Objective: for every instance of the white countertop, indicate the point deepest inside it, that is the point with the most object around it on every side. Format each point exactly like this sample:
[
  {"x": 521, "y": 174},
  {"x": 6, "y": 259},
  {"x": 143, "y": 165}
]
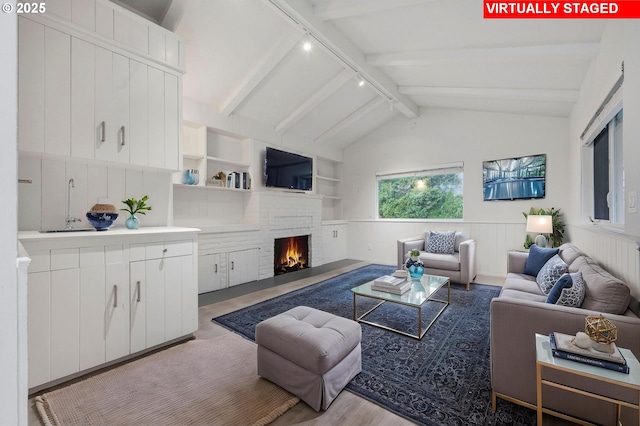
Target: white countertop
[{"x": 113, "y": 232}]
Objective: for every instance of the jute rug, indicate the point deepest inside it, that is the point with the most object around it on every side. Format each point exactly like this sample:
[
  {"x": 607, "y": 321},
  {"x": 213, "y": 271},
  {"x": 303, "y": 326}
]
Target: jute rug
[{"x": 201, "y": 382}]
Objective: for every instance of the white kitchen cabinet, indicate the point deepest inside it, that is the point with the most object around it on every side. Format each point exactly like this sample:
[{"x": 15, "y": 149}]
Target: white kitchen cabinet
[
  {"x": 44, "y": 65},
  {"x": 91, "y": 304},
  {"x": 243, "y": 266},
  {"x": 116, "y": 308},
  {"x": 39, "y": 332},
  {"x": 57, "y": 89},
  {"x": 334, "y": 242},
  {"x": 30, "y": 85},
  {"x": 64, "y": 318},
  {"x": 83, "y": 86},
  {"x": 209, "y": 273},
  {"x": 80, "y": 99},
  {"x": 111, "y": 106},
  {"x": 163, "y": 294}
]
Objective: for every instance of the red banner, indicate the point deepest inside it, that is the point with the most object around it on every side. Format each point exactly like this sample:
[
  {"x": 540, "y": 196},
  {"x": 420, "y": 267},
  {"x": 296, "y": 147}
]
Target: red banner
[{"x": 622, "y": 9}]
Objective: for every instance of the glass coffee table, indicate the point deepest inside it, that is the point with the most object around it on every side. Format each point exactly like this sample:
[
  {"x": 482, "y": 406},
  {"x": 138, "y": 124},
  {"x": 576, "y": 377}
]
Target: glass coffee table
[{"x": 421, "y": 291}]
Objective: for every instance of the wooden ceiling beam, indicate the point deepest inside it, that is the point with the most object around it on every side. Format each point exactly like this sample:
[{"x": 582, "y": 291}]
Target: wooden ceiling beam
[
  {"x": 316, "y": 99},
  {"x": 263, "y": 68},
  {"x": 546, "y": 95},
  {"x": 552, "y": 52},
  {"x": 351, "y": 119},
  {"x": 337, "y": 9},
  {"x": 345, "y": 53}
]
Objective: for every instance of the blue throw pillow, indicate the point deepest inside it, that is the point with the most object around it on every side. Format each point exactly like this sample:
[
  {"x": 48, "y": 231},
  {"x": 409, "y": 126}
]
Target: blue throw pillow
[
  {"x": 538, "y": 256},
  {"x": 569, "y": 290},
  {"x": 550, "y": 273}
]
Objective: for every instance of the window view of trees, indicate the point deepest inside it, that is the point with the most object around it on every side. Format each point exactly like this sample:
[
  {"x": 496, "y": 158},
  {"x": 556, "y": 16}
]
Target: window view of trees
[{"x": 435, "y": 196}]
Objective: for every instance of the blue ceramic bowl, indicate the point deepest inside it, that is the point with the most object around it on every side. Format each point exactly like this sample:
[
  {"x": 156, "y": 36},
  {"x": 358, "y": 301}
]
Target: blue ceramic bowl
[{"x": 101, "y": 221}]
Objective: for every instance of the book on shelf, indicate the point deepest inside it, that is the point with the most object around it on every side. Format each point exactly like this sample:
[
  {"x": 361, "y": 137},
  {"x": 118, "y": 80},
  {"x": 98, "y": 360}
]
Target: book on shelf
[{"x": 585, "y": 359}]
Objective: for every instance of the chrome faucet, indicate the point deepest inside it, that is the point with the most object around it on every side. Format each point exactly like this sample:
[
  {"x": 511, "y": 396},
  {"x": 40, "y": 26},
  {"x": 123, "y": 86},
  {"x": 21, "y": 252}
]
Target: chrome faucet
[{"x": 69, "y": 220}]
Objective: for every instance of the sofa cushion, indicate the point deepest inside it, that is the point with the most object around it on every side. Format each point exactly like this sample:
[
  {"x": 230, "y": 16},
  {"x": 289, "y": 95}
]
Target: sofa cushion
[
  {"x": 448, "y": 262},
  {"x": 603, "y": 292},
  {"x": 569, "y": 290},
  {"x": 538, "y": 256},
  {"x": 441, "y": 242},
  {"x": 550, "y": 273},
  {"x": 523, "y": 283},
  {"x": 522, "y": 295},
  {"x": 569, "y": 253}
]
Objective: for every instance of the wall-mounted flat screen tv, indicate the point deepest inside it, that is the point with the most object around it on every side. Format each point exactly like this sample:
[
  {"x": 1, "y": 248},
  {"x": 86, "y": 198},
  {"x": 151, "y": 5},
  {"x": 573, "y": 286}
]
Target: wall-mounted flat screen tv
[
  {"x": 515, "y": 178},
  {"x": 287, "y": 170}
]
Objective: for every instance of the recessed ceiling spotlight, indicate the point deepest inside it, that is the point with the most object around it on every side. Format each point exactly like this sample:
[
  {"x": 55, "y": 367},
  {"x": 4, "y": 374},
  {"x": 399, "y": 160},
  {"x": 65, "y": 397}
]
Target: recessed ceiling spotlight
[
  {"x": 306, "y": 45},
  {"x": 360, "y": 80}
]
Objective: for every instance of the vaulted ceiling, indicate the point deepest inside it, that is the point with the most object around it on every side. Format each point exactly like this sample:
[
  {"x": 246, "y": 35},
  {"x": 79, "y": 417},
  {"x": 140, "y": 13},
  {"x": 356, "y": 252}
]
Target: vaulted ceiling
[{"x": 246, "y": 57}]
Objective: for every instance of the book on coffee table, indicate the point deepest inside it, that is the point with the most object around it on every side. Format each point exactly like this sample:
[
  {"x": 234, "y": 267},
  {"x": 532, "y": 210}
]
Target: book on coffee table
[{"x": 391, "y": 284}]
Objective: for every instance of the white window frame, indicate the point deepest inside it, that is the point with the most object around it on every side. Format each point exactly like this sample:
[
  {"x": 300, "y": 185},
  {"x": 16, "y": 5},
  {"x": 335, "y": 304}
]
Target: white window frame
[
  {"x": 423, "y": 171},
  {"x": 607, "y": 115}
]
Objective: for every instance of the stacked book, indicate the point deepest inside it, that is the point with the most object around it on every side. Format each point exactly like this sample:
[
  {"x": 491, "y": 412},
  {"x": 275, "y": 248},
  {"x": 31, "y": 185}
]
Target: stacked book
[
  {"x": 390, "y": 284},
  {"x": 562, "y": 346}
]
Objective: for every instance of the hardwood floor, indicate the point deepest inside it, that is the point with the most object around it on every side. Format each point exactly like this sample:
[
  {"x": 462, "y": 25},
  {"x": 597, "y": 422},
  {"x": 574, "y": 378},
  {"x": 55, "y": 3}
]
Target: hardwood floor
[{"x": 347, "y": 408}]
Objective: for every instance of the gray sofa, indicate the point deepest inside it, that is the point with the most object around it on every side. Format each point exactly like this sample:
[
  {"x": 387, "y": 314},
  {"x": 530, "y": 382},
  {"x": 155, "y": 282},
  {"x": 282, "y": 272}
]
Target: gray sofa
[
  {"x": 460, "y": 266},
  {"x": 520, "y": 311}
]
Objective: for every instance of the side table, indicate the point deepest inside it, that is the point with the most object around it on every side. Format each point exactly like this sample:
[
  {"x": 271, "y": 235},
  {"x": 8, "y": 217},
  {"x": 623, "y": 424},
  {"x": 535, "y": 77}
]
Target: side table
[{"x": 545, "y": 359}]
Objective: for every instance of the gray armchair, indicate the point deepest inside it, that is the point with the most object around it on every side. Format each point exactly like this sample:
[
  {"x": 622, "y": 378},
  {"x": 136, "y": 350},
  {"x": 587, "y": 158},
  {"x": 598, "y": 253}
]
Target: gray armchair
[{"x": 460, "y": 266}]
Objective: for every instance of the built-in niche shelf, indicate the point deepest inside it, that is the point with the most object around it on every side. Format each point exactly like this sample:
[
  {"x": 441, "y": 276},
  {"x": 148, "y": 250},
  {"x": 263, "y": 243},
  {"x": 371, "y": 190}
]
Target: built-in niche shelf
[
  {"x": 213, "y": 187},
  {"x": 211, "y": 151},
  {"x": 329, "y": 186}
]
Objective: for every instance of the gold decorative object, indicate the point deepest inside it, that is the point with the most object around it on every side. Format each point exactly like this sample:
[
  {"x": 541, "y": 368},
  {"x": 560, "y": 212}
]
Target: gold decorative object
[{"x": 600, "y": 329}]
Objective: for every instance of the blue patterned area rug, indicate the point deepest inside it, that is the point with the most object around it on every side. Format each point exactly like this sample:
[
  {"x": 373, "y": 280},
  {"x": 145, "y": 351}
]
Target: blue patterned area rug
[{"x": 443, "y": 379}]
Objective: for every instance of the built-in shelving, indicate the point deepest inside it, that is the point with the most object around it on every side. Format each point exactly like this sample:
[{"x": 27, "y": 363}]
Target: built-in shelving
[
  {"x": 329, "y": 185},
  {"x": 211, "y": 151}
]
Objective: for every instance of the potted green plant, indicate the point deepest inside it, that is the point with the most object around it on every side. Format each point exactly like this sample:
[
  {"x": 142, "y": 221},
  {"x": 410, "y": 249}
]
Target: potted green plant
[
  {"x": 557, "y": 223},
  {"x": 414, "y": 254},
  {"x": 133, "y": 207}
]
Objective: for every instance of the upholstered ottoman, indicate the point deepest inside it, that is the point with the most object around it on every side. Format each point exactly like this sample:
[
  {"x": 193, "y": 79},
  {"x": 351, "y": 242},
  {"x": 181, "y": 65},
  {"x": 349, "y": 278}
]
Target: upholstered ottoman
[{"x": 311, "y": 353}]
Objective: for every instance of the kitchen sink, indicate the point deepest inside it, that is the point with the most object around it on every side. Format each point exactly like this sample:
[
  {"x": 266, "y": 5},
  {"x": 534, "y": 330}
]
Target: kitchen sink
[{"x": 66, "y": 230}]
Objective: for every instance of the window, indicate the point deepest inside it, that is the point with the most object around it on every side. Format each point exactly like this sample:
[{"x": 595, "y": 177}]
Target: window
[
  {"x": 433, "y": 193},
  {"x": 606, "y": 174}
]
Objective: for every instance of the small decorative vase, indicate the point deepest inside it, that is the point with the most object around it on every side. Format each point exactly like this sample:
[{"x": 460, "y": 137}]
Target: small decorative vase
[
  {"x": 415, "y": 268},
  {"x": 132, "y": 222}
]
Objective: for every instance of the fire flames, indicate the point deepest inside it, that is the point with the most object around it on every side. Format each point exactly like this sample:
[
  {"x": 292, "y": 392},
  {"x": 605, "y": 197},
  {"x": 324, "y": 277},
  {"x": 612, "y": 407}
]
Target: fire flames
[{"x": 292, "y": 255}]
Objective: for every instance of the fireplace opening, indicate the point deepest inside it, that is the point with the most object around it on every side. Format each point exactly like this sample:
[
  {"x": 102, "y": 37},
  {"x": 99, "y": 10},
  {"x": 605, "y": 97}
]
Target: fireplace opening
[{"x": 290, "y": 254}]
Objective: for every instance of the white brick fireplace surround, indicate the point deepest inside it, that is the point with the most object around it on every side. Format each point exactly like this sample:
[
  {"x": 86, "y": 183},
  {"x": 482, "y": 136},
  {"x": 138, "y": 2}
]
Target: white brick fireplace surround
[{"x": 268, "y": 215}]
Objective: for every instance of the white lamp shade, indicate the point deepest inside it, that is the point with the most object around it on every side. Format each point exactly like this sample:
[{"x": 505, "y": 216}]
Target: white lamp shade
[{"x": 539, "y": 223}]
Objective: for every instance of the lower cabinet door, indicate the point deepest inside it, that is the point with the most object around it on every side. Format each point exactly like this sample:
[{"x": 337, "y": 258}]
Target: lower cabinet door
[
  {"x": 243, "y": 266},
  {"x": 65, "y": 327},
  {"x": 209, "y": 273},
  {"x": 138, "y": 303}
]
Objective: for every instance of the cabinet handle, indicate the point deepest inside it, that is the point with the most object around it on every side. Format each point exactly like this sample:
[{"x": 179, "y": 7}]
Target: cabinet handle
[
  {"x": 164, "y": 250},
  {"x": 122, "y": 130},
  {"x": 138, "y": 291},
  {"x": 232, "y": 265},
  {"x": 216, "y": 269},
  {"x": 103, "y": 131},
  {"x": 115, "y": 296}
]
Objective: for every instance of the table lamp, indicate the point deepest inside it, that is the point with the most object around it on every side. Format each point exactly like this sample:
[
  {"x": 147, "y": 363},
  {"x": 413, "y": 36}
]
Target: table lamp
[{"x": 540, "y": 224}]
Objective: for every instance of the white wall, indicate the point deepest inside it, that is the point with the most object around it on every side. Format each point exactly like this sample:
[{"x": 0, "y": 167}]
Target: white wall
[
  {"x": 441, "y": 136},
  {"x": 618, "y": 252},
  {"x": 12, "y": 398}
]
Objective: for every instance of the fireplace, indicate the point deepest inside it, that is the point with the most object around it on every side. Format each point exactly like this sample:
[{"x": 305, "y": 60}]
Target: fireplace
[{"x": 290, "y": 254}]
